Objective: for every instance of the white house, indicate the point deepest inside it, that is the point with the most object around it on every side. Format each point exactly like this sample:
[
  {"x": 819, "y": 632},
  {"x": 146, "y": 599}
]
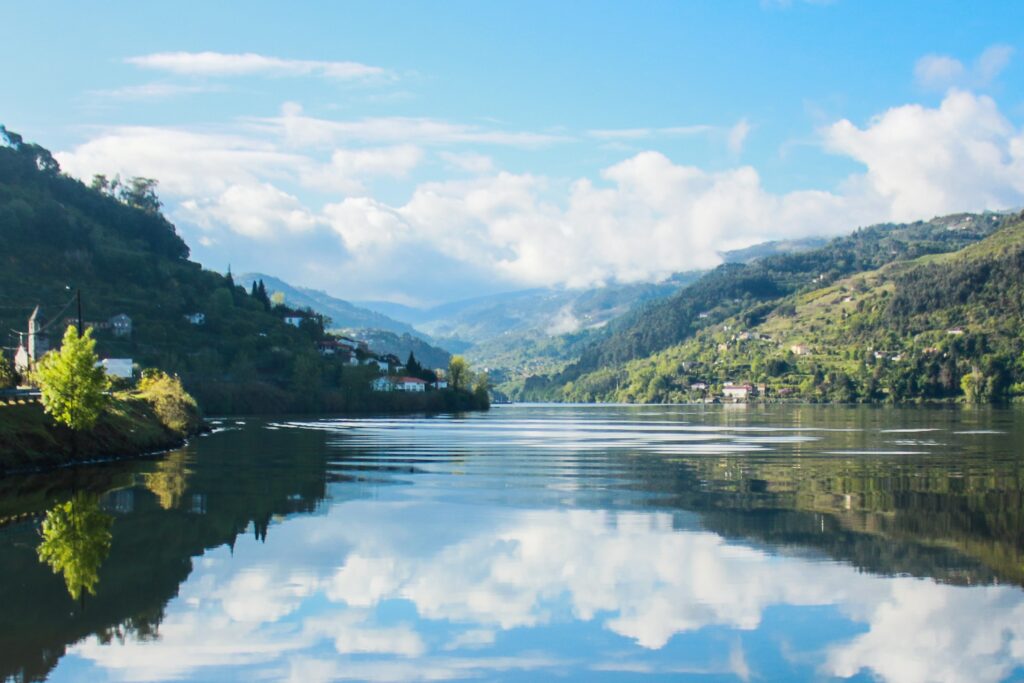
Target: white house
[
  {"x": 737, "y": 391},
  {"x": 413, "y": 384},
  {"x": 196, "y": 318},
  {"x": 294, "y": 320},
  {"x": 441, "y": 384},
  {"x": 21, "y": 359},
  {"x": 117, "y": 367}
]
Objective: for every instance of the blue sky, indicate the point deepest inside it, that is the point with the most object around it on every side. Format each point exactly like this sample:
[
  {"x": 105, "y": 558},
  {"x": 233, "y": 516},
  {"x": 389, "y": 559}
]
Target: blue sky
[{"x": 428, "y": 152}]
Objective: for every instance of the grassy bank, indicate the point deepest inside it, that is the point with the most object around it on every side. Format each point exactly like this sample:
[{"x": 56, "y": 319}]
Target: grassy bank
[{"x": 131, "y": 424}]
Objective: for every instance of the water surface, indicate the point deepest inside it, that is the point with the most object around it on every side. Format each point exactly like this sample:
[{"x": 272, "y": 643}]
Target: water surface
[{"x": 533, "y": 542}]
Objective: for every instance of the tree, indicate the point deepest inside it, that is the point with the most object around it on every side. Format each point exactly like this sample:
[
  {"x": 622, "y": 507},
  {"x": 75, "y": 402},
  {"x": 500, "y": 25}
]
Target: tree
[
  {"x": 458, "y": 373},
  {"x": 973, "y": 384},
  {"x": 482, "y": 388},
  {"x": 413, "y": 366},
  {"x": 8, "y": 378},
  {"x": 140, "y": 193},
  {"x": 72, "y": 382},
  {"x": 76, "y": 541},
  {"x": 277, "y": 299}
]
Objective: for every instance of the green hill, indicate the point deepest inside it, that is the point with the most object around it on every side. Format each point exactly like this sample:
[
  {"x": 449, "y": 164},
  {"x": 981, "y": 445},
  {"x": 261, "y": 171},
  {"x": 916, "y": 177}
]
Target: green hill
[
  {"x": 111, "y": 242},
  {"x": 889, "y": 313}
]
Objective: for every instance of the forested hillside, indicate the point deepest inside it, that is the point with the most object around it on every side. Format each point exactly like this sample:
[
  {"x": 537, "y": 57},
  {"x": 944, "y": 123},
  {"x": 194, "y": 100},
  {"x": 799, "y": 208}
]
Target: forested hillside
[
  {"x": 111, "y": 242},
  {"x": 943, "y": 326}
]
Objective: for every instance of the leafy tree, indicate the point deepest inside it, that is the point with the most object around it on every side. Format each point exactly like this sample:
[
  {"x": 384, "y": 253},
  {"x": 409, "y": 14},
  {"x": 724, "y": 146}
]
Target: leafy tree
[
  {"x": 277, "y": 299},
  {"x": 482, "y": 388},
  {"x": 76, "y": 541},
  {"x": 71, "y": 381},
  {"x": 8, "y": 378},
  {"x": 458, "y": 373},
  {"x": 140, "y": 193},
  {"x": 973, "y": 386}
]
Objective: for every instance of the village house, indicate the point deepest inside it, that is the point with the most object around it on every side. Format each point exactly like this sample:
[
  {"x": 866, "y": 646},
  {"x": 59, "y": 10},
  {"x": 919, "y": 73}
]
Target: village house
[
  {"x": 196, "y": 318},
  {"x": 737, "y": 392},
  {"x": 121, "y": 325},
  {"x": 441, "y": 384},
  {"x": 699, "y": 386},
  {"x": 800, "y": 350},
  {"x": 413, "y": 384},
  {"x": 294, "y": 320},
  {"x": 410, "y": 384}
]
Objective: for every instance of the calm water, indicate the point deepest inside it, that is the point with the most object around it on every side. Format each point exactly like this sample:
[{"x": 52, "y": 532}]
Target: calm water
[{"x": 571, "y": 543}]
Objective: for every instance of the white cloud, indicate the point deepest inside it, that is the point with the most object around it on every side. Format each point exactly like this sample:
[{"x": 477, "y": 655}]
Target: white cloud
[
  {"x": 738, "y": 135},
  {"x": 963, "y": 155},
  {"x": 247, "y": 64},
  {"x": 470, "y": 162},
  {"x": 646, "y": 133},
  {"x": 154, "y": 91},
  {"x": 300, "y": 130},
  {"x": 640, "y": 219},
  {"x": 940, "y": 72}
]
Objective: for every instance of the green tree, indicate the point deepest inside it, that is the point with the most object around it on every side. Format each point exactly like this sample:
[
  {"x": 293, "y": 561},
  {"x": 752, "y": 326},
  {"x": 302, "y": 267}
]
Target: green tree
[
  {"x": 277, "y": 299},
  {"x": 8, "y": 378},
  {"x": 458, "y": 373},
  {"x": 76, "y": 541},
  {"x": 973, "y": 386},
  {"x": 140, "y": 193},
  {"x": 71, "y": 381}
]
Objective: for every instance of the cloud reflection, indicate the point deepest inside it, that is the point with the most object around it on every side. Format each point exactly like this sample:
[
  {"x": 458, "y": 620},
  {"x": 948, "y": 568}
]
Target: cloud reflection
[{"x": 427, "y": 591}]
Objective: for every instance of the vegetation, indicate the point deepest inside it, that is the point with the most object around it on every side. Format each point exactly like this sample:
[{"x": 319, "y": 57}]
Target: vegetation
[
  {"x": 76, "y": 541},
  {"x": 940, "y": 327},
  {"x": 111, "y": 242},
  {"x": 72, "y": 382}
]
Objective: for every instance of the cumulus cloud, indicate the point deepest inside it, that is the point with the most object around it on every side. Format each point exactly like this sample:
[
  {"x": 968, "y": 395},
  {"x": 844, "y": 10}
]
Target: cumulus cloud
[
  {"x": 642, "y": 218},
  {"x": 940, "y": 72},
  {"x": 249, "y": 64},
  {"x": 963, "y": 155}
]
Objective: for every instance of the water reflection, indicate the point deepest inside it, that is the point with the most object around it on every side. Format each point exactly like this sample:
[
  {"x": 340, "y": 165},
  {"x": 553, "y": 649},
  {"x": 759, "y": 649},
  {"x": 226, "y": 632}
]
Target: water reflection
[
  {"x": 596, "y": 543},
  {"x": 76, "y": 541}
]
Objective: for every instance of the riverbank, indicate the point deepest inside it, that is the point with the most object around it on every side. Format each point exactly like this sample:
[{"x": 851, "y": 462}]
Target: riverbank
[{"x": 131, "y": 425}]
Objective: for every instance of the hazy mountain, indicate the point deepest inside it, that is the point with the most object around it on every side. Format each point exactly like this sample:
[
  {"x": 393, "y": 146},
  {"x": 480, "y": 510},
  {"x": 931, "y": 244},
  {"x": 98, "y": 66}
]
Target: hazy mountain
[{"x": 343, "y": 314}]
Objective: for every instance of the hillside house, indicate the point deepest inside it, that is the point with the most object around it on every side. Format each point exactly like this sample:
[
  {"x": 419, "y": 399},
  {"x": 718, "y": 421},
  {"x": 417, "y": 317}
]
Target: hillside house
[
  {"x": 196, "y": 318},
  {"x": 382, "y": 384},
  {"x": 294, "y": 320},
  {"x": 441, "y": 384},
  {"x": 800, "y": 350},
  {"x": 413, "y": 384},
  {"x": 121, "y": 325},
  {"x": 737, "y": 392},
  {"x": 699, "y": 386}
]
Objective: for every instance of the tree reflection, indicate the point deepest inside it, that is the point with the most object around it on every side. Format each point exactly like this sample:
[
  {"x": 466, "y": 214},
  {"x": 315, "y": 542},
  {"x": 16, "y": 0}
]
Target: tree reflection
[
  {"x": 76, "y": 541},
  {"x": 169, "y": 481}
]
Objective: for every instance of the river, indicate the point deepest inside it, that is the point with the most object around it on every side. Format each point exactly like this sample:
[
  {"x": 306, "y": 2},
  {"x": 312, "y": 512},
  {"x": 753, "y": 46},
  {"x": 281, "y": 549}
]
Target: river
[{"x": 595, "y": 543}]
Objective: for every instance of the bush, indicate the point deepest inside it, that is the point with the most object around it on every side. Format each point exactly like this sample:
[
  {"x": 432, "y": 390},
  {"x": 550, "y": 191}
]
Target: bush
[{"x": 174, "y": 407}]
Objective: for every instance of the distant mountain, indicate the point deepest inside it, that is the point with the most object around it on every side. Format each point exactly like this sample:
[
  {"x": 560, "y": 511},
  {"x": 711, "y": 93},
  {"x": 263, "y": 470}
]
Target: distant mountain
[
  {"x": 382, "y": 333},
  {"x": 343, "y": 314},
  {"x": 773, "y": 248},
  {"x": 648, "y": 355}
]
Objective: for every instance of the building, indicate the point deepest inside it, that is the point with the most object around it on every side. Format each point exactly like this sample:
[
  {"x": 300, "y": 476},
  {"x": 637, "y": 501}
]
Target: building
[
  {"x": 441, "y": 384},
  {"x": 196, "y": 318},
  {"x": 21, "y": 361},
  {"x": 294, "y": 320},
  {"x": 118, "y": 367},
  {"x": 38, "y": 342},
  {"x": 413, "y": 384},
  {"x": 737, "y": 391},
  {"x": 699, "y": 386},
  {"x": 121, "y": 325},
  {"x": 800, "y": 350}
]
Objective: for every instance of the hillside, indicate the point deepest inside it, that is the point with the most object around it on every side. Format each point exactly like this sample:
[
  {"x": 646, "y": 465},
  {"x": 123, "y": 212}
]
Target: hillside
[
  {"x": 753, "y": 289},
  {"x": 943, "y": 326},
  {"x": 342, "y": 314},
  {"x": 111, "y": 242}
]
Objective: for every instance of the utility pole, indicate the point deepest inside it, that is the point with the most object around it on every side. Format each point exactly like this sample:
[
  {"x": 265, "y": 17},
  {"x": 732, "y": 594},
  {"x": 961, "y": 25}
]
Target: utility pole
[{"x": 78, "y": 296}]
